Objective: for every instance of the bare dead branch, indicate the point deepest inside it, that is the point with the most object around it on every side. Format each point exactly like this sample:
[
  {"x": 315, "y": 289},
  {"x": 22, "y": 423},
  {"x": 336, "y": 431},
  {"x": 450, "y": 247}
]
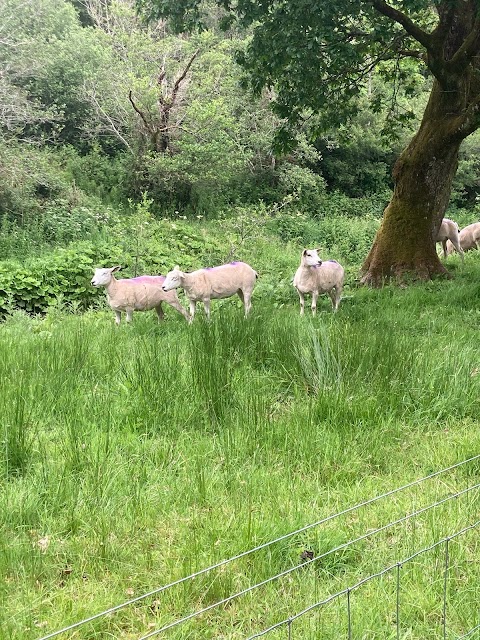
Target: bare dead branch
[
  {"x": 182, "y": 77},
  {"x": 148, "y": 126}
]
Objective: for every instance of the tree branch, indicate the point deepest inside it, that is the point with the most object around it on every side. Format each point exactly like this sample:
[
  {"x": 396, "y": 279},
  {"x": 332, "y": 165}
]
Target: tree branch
[
  {"x": 468, "y": 50},
  {"x": 113, "y": 127},
  {"x": 179, "y": 81},
  {"x": 410, "y": 27},
  {"x": 407, "y": 53},
  {"x": 140, "y": 113},
  {"x": 446, "y": 13}
]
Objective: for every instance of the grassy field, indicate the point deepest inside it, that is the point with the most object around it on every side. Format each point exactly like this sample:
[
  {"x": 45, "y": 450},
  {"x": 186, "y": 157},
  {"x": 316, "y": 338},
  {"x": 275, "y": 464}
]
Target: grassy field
[{"x": 133, "y": 456}]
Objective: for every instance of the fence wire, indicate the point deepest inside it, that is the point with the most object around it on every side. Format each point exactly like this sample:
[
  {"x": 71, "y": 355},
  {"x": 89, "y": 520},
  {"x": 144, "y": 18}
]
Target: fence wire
[
  {"x": 305, "y": 563},
  {"x": 469, "y": 633},
  {"x": 288, "y": 622}
]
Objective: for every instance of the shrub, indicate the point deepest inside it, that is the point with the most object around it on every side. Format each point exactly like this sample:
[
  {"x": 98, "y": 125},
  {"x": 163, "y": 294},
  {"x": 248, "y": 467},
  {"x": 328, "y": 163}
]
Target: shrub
[
  {"x": 139, "y": 245},
  {"x": 337, "y": 204},
  {"x": 307, "y": 187},
  {"x": 346, "y": 238},
  {"x": 40, "y": 282}
]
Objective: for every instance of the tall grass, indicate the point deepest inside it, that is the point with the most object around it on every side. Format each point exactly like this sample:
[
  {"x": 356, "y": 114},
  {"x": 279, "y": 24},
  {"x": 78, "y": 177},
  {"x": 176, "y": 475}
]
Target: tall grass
[{"x": 132, "y": 456}]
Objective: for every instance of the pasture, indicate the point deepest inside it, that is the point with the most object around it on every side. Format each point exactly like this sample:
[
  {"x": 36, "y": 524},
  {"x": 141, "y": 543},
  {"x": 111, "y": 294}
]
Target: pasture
[{"x": 134, "y": 455}]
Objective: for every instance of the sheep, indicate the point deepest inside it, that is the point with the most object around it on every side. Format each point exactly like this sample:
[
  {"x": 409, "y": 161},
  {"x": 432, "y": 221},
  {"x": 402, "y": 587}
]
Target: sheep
[
  {"x": 449, "y": 231},
  {"x": 214, "y": 282},
  {"x": 469, "y": 238},
  {"x": 136, "y": 294},
  {"x": 316, "y": 277}
]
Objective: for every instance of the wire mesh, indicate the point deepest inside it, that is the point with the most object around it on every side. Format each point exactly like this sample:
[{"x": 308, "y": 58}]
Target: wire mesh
[
  {"x": 313, "y": 560},
  {"x": 385, "y": 570}
]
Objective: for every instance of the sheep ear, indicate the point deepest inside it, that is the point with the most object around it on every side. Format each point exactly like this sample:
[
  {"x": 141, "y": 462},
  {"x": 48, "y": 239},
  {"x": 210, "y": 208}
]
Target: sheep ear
[
  {"x": 176, "y": 268},
  {"x": 304, "y": 253},
  {"x": 114, "y": 269},
  {"x": 317, "y": 249}
]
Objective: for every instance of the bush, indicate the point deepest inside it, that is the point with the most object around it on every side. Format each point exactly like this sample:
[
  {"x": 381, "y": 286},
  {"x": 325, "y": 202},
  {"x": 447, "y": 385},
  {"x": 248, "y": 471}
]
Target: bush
[
  {"x": 100, "y": 175},
  {"x": 307, "y": 187},
  {"x": 349, "y": 240},
  {"x": 295, "y": 227},
  {"x": 337, "y": 204},
  {"x": 28, "y": 178},
  {"x": 41, "y": 282},
  {"x": 139, "y": 243}
]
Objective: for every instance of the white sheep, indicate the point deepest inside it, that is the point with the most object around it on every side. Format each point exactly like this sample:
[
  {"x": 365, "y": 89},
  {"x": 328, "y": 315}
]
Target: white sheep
[
  {"x": 136, "y": 294},
  {"x": 469, "y": 238},
  {"x": 317, "y": 277},
  {"x": 449, "y": 231},
  {"x": 223, "y": 281}
]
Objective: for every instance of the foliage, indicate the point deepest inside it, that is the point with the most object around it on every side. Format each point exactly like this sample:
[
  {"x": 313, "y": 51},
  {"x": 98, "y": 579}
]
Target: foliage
[
  {"x": 32, "y": 181},
  {"x": 138, "y": 242},
  {"x": 97, "y": 174},
  {"x": 466, "y": 184},
  {"x": 355, "y": 162},
  {"x": 41, "y": 282},
  {"x": 339, "y": 44}
]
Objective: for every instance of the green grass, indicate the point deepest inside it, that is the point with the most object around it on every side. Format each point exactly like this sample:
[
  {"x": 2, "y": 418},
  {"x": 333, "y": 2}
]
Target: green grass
[{"x": 133, "y": 456}]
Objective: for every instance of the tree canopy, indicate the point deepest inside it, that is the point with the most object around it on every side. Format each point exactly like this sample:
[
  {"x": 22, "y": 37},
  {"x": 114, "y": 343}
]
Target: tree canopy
[{"x": 316, "y": 56}]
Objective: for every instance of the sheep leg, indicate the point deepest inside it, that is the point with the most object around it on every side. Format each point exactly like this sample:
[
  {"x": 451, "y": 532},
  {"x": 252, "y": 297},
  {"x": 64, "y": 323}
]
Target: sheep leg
[
  {"x": 206, "y": 304},
  {"x": 159, "y": 311},
  {"x": 245, "y": 298},
  {"x": 338, "y": 297},
  {"x": 118, "y": 317},
  {"x": 193, "y": 305},
  {"x": 178, "y": 307},
  {"x": 247, "y": 303},
  {"x": 129, "y": 315},
  {"x": 335, "y": 295},
  {"x": 302, "y": 303},
  {"x": 314, "y": 302},
  {"x": 444, "y": 247},
  {"x": 458, "y": 248}
]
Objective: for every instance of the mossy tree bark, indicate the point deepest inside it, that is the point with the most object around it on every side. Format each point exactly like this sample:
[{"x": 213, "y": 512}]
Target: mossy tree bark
[
  {"x": 405, "y": 242},
  {"x": 423, "y": 174}
]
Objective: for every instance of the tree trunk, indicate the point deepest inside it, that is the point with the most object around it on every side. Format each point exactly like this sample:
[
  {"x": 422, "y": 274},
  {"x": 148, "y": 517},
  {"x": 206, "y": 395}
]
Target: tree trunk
[{"x": 405, "y": 243}]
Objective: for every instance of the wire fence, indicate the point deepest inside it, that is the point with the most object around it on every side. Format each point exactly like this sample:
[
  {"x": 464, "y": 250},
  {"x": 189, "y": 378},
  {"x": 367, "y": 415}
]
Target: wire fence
[
  {"x": 288, "y": 622},
  {"x": 289, "y": 625}
]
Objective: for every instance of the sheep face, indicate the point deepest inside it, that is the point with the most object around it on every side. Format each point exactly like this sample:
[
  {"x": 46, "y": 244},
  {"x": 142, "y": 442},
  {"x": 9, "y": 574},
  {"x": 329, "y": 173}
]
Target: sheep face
[
  {"x": 310, "y": 258},
  {"x": 102, "y": 277},
  {"x": 173, "y": 279}
]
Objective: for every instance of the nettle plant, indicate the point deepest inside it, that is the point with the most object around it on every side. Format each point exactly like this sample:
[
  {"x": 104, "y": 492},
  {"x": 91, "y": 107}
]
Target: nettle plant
[{"x": 41, "y": 282}]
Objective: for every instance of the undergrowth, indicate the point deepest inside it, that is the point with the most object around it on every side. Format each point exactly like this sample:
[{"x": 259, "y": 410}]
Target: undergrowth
[{"x": 132, "y": 456}]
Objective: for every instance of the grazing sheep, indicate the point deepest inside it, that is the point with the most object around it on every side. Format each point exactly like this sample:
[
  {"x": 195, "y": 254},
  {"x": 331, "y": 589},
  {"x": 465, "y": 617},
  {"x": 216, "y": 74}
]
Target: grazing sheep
[
  {"x": 449, "y": 231},
  {"x": 136, "y": 294},
  {"x": 469, "y": 238},
  {"x": 316, "y": 277},
  {"x": 214, "y": 282}
]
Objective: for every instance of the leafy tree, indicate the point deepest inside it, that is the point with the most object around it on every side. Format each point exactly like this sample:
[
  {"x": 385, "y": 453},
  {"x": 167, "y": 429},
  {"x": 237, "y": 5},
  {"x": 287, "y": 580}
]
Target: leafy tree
[
  {"x": 176, "y": 107},
  {"x": 317, "y": 54},
  {"x": 46, "y": 58},
  {"x": 24, "y": 30}
]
